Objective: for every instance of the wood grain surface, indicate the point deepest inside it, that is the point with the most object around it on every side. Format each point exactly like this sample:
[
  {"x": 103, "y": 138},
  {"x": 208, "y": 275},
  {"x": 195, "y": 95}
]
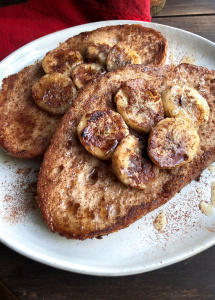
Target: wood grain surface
[
  {"x": 193, "y": 278},
  {"x": 201, "y": 25},
  {"x": 190, "y": 279},
  {"x": 186, "y": 7}
]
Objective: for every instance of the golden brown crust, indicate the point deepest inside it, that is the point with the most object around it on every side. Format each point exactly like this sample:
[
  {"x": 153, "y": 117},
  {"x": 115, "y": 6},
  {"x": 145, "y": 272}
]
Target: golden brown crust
[{"x": 79, "y": 195}]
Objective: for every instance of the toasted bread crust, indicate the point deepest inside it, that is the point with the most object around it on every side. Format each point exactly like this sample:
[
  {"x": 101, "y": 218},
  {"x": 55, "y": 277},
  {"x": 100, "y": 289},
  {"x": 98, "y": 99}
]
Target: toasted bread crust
[
  {"x": 79, "y": 195},
  {"x": 25, "y": 129}
]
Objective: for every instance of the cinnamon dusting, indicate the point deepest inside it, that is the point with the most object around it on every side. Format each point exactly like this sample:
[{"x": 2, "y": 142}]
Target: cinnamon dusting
[{"x": 19, "y": 199}]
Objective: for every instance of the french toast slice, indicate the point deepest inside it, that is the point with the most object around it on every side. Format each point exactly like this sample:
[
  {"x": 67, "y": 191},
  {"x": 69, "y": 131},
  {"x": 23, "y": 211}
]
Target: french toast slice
[
  {"x": 25, "y": 129},
  {"x": 79, "y": 195},
  {"x": 147, "y": 42}
]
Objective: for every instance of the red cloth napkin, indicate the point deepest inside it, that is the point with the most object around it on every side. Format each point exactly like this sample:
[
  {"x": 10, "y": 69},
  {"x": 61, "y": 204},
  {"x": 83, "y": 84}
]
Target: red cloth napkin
[{"x": 23, "y": 23}]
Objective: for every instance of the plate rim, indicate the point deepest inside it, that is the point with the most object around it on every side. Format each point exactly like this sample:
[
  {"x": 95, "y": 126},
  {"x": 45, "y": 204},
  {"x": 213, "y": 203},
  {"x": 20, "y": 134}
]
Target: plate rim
[{"x": 97, "y": 271}]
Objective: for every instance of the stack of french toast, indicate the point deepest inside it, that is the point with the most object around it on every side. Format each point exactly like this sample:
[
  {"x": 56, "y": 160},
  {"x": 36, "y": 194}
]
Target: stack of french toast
[{"x": 120, "y": 131}]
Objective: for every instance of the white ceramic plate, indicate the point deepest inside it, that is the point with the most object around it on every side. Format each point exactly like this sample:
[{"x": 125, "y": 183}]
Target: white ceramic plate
[{"x": 140, "y": 247}]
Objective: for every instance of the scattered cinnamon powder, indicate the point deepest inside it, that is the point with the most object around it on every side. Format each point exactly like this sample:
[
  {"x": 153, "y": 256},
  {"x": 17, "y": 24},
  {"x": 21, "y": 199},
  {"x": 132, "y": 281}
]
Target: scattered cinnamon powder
[
  {"x": 23, "y": 171},
  {"x": 19, "y": 200}
]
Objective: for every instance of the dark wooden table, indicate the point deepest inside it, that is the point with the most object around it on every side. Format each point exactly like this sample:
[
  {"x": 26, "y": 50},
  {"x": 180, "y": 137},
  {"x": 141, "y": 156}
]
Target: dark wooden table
[{"x": 193, "y": 278}]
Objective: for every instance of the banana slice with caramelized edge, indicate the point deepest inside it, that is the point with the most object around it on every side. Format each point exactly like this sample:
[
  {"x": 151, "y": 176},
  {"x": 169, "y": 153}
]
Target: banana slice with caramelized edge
[
  {"x": 100, "y": 132},
  {"x": 139, "y": 104},
  {"x": 54, "y": 93},
  {"x": 120, "y": 56},
  {"x": 186, "y": 103},
  {"x": 130, "y": 167},
  {"x": 61, "y": 60},
  {"x": 98, "y": 53},
  {"x": 83, "y": 73},
  {"x": 173, "y": 142}
]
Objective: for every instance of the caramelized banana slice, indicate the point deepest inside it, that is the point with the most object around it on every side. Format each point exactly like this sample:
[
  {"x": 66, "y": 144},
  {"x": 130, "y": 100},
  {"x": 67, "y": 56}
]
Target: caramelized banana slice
[
  {"x": 186, "y": 103},
  {"x": 139, "y": 105},
  {"x": 120, "y": 56},
  {"x": 61, "y": 61},
  {"x": 100, "y": 132},
  {"x": 130, "y": 167},
  {"x": 173, "y": 142},
  {"x": 54, "y": 93},
  {"x": 83, "y": 73},
  {"x": 98, "y": 53}
]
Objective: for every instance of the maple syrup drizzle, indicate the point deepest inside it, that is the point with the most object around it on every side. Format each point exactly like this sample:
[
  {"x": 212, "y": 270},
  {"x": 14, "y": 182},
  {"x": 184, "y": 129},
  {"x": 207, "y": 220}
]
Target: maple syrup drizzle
[
  {"x": 208, "y": 209},
  {"x": 211, "y": 169},
  {"x": 160, "y": 221}
]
